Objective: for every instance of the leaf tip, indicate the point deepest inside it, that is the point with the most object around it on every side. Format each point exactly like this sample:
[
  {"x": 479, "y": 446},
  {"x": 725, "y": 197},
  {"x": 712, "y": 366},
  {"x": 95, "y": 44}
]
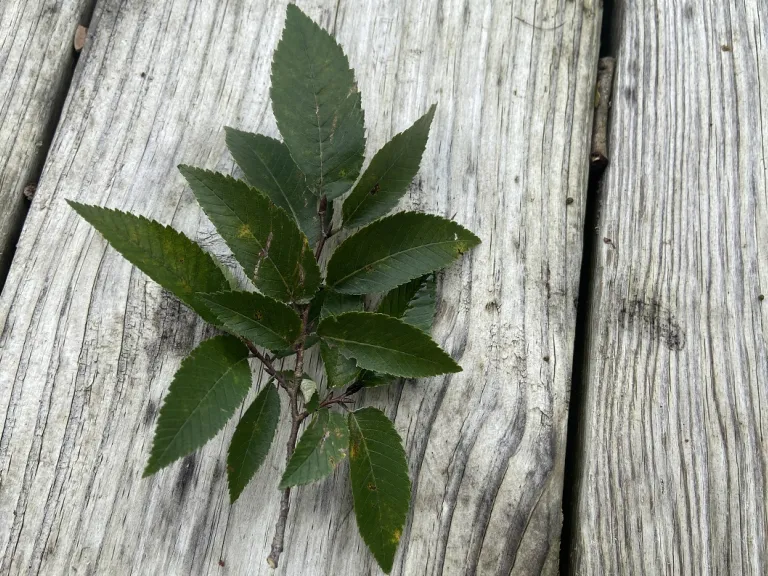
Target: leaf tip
[{"x": 150, "y": 469}]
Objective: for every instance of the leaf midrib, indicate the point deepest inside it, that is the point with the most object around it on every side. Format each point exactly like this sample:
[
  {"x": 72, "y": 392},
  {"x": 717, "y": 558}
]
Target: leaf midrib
[
  {"x": 375, "y": 346},
  {"x": 253, "y": 432},
  {"x": 392, "y": 255},
  {"x": 279, "y": 186},
  {"x": 197, "y": 407},
  {"x": 370, "y": 466},
  {"x": 303, "y": 461},
  {"x": 317, "y": 107},
  {"x": 249, "y": 319},
  {"x": 366, "y": 197},
  {"x": 161, "y": 263},
  {"x": 289, "y": 290}
]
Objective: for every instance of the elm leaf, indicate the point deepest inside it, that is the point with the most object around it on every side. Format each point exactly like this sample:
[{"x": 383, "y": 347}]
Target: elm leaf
[
  {"x": 210, "y": 384},
  {"x": 384, "y": 344},
  {"x": 320, "y": 449},
  {"x": 395, "y": 250},
  {"x": 339, "y": 369},
  {"x": 420, "y": 311},
  {"x": 381, "y": 488},
  {"x": 335, "y": 304},
  {"x": 268, "y": 167},
  {"x": 256, "y": 317},
  {"x": 165, "y": 255},
  {"x": 388, "y": 176},
  {"x": 266, "y": 241},
  {"x": 317, "y": 105},
  {"x": 252, "y": 439}
]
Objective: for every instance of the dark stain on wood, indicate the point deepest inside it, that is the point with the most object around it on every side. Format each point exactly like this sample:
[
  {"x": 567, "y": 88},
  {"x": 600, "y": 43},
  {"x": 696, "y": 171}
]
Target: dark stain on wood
[
  {"x": 185, "y": 478},
  {"x": 655, "y": 320}
]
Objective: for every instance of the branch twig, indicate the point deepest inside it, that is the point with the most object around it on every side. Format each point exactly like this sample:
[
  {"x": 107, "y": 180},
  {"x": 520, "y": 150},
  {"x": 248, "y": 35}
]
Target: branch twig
[
  {"x": 296, "y": 418},
  {"x": 267, "y": 362}
]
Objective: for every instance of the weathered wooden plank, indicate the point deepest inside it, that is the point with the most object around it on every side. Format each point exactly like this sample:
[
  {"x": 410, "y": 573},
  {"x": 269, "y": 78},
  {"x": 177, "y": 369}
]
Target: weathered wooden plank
[
  {"x": 36, "y": 58},
  {"x": 88, "y": 345},
  {"x": 675, "y": 429}
]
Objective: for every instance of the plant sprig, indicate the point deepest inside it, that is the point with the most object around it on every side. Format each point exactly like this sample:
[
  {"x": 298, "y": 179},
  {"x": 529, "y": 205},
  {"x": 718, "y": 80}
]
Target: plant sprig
[{"x": 277, "y": 224}]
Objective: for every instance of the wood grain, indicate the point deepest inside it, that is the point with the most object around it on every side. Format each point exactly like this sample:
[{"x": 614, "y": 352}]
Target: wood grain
[
  {"x": 36, "y": 59},
  {"x": 88, "y": 345},
  {"x": 675, "y": 429}
]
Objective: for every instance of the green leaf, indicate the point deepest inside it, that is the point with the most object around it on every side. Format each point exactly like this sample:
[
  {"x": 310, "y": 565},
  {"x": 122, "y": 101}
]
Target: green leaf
[
  {"x": 264, "y": 239},
  {"x": 322, "y": 446},
  {"x": 260, "y": 319},
  {"x": 339, "y": 370},
  {"x": 317, "y": 106},
  {"x": 387, "y": 177},
  {"x": 380, "y": 485},
  {"x": 328, "y": 220},
  {"x": 310, "y": 341},
  {"x": 394, "y": 250},
  {"x": 310, "y": 394},
  {"x": 373, "y": 379},
  {"x": 268, "y": 167},
  {"x": 413, "y": 302},
  {"x": 396, "y": 301},
  {"x": 421, "y": 309},
  {"x": 210, "y": 384},
  {"x": 252, "y": 439},
  {"x": 335, "y": 304},
  {"x": 315, "y": 309},
  {"x": 165, "y": 255},
  {"x": 385, "y": 344}
]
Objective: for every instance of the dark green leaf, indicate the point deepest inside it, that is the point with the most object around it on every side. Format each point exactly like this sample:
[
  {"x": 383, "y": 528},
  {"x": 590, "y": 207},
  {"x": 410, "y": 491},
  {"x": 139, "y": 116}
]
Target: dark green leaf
[
  {"x": 322, "y": 446},
  {"x": 165, "y": 255},
  {"x": 328, "y": 219},
  {"x": 373, "y": 379},
  {"x": 339, "y": 369},
  {"x": 387, "y": 177},
  {"x": 210, "y": 384},
  {"x": 335, "y": 304},
  {"x": 385, "y": 344},
  {"x": 252, "y": 439},
  {"x": 310, "y": 341},
  {"x": 264, "y": 239},
  {"x": 380, "y": 485},
  {"x": 317, "y": 105},
  {"x": 394, "y": 250},
  {"x": 268, "y": 166},
  {"x": 313, "y": 403},
  {"x": 420, "y": 311},
  {"x": 395, "y": 302},
  {"x": 315, "y": 308},
  {"x": 260, "y": 319}
]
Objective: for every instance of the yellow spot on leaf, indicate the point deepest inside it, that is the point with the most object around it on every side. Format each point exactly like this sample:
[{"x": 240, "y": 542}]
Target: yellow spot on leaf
[
  {"x": 244, "y": 231},
  {"x": 396, "y": 536}
]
